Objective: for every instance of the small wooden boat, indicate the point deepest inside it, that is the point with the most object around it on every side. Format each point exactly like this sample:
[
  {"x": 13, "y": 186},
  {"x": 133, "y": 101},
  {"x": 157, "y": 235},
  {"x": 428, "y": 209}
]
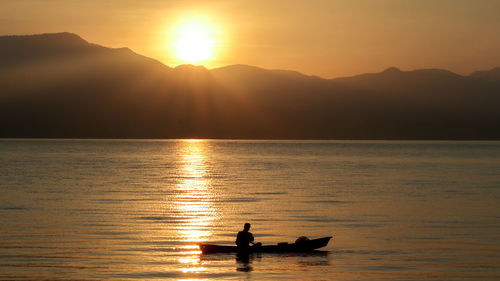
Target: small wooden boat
[{"x": 301, "y": 246}]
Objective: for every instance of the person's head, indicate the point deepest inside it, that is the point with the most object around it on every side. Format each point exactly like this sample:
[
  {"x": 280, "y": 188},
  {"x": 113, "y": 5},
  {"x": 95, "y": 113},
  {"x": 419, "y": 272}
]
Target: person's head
[{"x": 247, "y": 226}]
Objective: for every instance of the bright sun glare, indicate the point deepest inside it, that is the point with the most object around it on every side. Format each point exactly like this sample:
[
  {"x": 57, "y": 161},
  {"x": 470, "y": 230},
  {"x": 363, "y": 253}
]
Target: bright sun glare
[{"x": 194, "y": 42}]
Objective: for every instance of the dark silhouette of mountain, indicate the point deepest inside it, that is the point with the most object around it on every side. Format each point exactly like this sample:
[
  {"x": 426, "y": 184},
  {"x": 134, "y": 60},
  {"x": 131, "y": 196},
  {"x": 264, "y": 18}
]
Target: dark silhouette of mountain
[
  {"x": 432, "y": 102},
  {"x": 492, "y": 75},
  {"x": 59, "y": 85}
]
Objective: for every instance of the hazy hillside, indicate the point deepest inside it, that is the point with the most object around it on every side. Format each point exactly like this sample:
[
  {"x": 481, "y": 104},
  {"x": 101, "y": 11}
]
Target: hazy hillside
[
  {"x": 59, "y": 85},
  {"x": 492, "y": 75}
]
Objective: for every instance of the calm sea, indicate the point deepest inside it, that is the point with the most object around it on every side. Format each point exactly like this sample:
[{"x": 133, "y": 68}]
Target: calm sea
[{"x": 136, "y": 209}]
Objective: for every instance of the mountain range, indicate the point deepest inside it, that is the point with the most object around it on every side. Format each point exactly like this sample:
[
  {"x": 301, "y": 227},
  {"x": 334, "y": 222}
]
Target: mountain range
[{"x": 61, "y": 86}]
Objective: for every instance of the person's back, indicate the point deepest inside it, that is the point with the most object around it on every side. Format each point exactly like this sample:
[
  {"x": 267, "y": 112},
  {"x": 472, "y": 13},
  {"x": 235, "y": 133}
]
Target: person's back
[{"x": 244, "y": 237}]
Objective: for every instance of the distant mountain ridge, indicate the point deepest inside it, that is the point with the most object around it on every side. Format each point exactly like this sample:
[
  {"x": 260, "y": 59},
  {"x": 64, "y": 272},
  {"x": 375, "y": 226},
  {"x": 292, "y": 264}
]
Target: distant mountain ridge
[
  {"x": 59, "y": 85},
  {"x": 492, "y": 75}
]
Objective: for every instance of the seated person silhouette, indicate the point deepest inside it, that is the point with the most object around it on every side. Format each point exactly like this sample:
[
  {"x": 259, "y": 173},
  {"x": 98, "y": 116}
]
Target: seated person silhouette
[{"x": 244, "y": 238}]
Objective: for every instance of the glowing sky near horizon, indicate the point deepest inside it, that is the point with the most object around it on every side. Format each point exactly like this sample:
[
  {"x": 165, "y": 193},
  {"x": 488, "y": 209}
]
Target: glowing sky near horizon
[{"x": 328, "y": 38}]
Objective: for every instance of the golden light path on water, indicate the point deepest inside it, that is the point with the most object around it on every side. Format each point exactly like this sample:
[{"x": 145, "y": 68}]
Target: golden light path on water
[{"x": 192, "y": 202}]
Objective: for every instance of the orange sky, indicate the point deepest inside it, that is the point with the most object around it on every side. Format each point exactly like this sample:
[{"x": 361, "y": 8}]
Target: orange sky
[{"x": 329, "y": 38}]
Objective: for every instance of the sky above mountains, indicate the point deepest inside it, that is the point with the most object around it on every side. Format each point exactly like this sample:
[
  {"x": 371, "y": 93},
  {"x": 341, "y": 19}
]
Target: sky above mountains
[{"x": 328, "y": 38}]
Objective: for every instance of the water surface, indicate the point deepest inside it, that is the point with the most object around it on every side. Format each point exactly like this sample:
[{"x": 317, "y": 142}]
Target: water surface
[{"x": 136, "y": 209}]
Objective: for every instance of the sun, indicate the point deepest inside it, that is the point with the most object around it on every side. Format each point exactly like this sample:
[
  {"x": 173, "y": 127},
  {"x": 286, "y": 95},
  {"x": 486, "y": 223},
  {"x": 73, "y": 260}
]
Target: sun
[{"x": 194, "y": 42}]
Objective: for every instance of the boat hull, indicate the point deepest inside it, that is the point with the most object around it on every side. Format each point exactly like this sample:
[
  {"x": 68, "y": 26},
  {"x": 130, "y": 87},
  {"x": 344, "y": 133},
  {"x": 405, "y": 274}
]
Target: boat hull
[{"x": 305, "y": 246}]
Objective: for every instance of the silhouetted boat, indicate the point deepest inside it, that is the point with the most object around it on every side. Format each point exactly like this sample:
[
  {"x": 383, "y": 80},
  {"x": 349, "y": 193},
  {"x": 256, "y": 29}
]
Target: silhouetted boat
[{"x": 303, "y": 246}]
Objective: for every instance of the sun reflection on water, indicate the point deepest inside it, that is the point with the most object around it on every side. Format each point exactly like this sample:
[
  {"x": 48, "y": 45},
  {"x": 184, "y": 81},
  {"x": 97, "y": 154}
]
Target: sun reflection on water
[{"x": 193, "y": 203}]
